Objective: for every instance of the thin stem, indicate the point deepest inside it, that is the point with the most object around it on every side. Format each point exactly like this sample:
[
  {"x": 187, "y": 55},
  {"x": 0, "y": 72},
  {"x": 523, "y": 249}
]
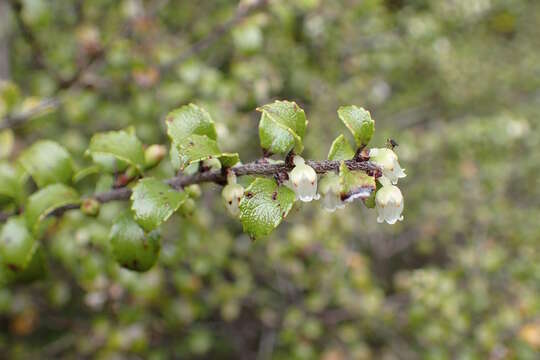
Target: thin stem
[
  {"x": 256, "y": 168},
  {"x": 18, "y": 119}
]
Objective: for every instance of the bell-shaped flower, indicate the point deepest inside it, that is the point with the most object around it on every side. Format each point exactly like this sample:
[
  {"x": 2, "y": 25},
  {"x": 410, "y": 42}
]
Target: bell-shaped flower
[
  {"x": 389, "y": 204},
  {"x": 329, "y": 188},
  {"x": 303, "y": 180},
  {"x": 388, "y": 161}
]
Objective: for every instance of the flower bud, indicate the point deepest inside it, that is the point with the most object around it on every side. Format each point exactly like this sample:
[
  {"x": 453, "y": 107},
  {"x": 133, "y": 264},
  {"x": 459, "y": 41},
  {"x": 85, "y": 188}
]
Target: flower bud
[
  {"x": 188, "y": 208},
  {"x": 389, "y": 204},
  {"x": 388, "y": 161},
  {"x": 232, "y": 195},
  {"x": 194, "y": 191},
  {"x": 154, "y": 154},
  {"x": 329, "y": 188},
  {"x": 303, "y": 180},
  {"x": 211, "y": 164},
  {"x": 90, "y": 207}
]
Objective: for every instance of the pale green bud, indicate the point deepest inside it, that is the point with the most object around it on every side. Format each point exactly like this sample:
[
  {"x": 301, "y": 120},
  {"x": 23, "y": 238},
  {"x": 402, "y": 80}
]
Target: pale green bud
[
  {"x": 154, "y": 154},
  {"x": 232, "y": 195},
  {"x": 90, "y": 207}
]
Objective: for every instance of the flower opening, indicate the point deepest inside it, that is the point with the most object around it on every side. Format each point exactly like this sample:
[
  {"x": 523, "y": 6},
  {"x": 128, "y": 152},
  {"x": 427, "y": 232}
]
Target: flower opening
[
  {"x": 303, "y": 180},
  {"x": 389, "y": 204},
  {"x": 388, "y": 161}
]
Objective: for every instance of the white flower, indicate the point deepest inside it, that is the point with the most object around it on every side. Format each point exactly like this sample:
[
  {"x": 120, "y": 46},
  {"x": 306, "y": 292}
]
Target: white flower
[
  {"x": 389, "y": 204},
  {"x": 232, "y": 195},
  {"x": 303, "y": 180},
  {"x": 330, "y": 188},
  {"x": 388, "y": 161}
]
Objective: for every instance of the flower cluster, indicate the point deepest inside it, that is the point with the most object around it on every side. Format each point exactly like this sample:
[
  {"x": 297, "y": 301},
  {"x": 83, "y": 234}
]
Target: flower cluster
[{"x": 388, "y": 199}]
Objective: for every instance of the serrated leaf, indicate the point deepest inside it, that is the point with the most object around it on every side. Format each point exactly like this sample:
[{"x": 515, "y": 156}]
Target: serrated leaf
[
  {"x": 10, "y": 183},
  {"x": 282, "y": 127},
  {"x": 43, "y": 202},
  {"x": 123, "y": 145},
  {"x": 264, "y": 206},
  {"x": 189, "y": 120},
  {"x": 354, "y": 184},
  {"x": 47, "y": 162},
  {"x": 276, "y": 138},
  {"x": 196, "y": 148},
  {"x": 359, "y": 122},
  {"x": 17, "y": 245},
  {"x": 288, "y": 114},
  {"x": 153, "y": 202},
  {"x": 131, "y": 247},
  {"x": 341, "y": 149}
]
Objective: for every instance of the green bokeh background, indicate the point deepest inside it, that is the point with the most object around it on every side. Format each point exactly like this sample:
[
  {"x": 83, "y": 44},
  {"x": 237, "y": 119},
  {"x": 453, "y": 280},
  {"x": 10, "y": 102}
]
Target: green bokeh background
[{"x": 455, "y": 83}]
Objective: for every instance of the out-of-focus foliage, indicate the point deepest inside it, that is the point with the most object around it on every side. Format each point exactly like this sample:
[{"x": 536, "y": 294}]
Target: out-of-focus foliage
[{"x": 455, "y": 83}]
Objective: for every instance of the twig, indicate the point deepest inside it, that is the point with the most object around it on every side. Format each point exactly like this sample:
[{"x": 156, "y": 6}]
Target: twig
[
  {"x": 18, "y": 119},
  {"x": 219, "y": 177},
  {"x": 216, "y": 33}
]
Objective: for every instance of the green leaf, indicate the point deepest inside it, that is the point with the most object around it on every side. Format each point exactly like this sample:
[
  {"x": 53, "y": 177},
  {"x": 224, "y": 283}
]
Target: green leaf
[
  {"x": 277, "y": 139},
  {"x": 193, "y": 137},
  {"x": 123, "y": 145},
  {"x": 43, "y": 202},
  {"x": 47, "y": 162},
  {"x": 189, "y": 120},
  {"x": 355, "y": 184},
  {"x": 10, "y": 183},
  {"x": 35, "y": 269},
  {"x": 197, "y": 148},
  {"x": 370, "y": 201},
  {"x": 85, "y": 172},
  {"x": 108, "y": 163},
  {"x": 288, "y": 114},
  {"x": 131, "y": 247},
  {"x": 17, "y": 245},
  {"x": 340, "y": 149},
  {"x": 154, "y": 202},
  {"x": 359, "y": 122},
  {"x": 264, "y": 206},
  {"x": 229, "y": 159},
  {"x": 282, "y": 127}
]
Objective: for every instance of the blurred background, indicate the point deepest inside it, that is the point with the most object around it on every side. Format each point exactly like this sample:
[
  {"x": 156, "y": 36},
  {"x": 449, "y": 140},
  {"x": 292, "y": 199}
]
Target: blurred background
[{"x": 456, "y": 83}]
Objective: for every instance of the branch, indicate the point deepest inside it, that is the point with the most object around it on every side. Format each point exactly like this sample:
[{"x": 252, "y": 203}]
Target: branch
[
  {"x": 219, "y": 31},
  {"x": 256, "y": 168},
  {"x": 19, "y": 119}
]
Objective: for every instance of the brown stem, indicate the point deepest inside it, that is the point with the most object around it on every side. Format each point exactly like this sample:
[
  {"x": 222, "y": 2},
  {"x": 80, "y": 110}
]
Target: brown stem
[{"x": 255, "y": 168}]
